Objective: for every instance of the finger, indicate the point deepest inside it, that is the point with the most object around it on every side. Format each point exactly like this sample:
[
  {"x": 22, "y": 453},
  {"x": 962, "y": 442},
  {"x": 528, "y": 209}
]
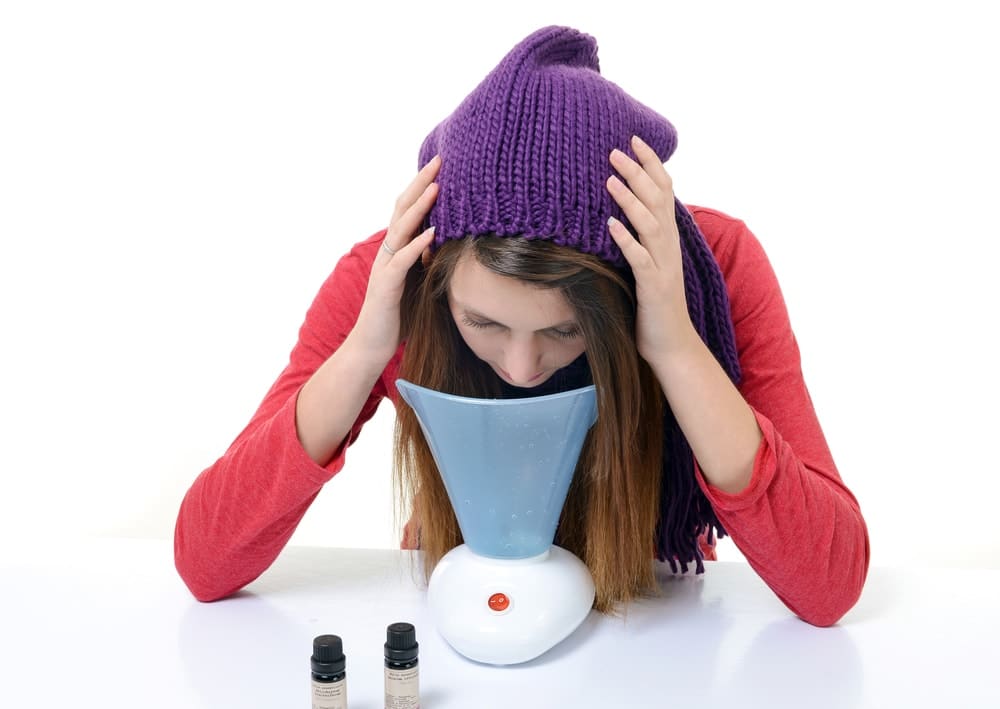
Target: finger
[
  {"x": 416, "y": 188},
  {"x": 653, "y": 166},
  {"x": 406, "y": 256},
  {"x": 402, "y": 228},
  {"x": 634, "y": 252},
  {"x": 645, "y": 222},
  {"x": 651, "y": 193}
]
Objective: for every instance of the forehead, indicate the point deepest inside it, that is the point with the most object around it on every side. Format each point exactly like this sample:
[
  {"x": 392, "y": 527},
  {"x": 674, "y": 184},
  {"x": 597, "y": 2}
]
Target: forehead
[{"x": 504, "y": 299}]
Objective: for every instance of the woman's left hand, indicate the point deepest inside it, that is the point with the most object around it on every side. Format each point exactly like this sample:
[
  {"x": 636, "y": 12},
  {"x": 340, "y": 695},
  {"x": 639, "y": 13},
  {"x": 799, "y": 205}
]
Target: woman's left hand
[{"x": 662, "y": 320}]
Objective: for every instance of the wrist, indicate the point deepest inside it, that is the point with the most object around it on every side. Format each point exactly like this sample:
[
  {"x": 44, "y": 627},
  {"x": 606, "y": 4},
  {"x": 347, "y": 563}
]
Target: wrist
[
  {"x": 682, "y": 348},
  {"x": 375, "y": 335},
  {"x": 365, "y": 356}
]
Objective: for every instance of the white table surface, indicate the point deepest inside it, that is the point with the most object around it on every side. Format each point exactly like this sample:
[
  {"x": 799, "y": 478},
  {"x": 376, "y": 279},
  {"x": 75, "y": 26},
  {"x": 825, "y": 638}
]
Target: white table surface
[{"x": 108, "y": 623}]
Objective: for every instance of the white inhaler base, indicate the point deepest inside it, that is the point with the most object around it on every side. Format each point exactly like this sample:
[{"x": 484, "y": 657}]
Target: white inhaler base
[{"x": 508, "y": 611}]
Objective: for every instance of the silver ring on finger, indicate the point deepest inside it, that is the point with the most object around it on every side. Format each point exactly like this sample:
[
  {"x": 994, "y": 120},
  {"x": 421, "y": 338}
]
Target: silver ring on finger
[{"x": 388, "y": 249}]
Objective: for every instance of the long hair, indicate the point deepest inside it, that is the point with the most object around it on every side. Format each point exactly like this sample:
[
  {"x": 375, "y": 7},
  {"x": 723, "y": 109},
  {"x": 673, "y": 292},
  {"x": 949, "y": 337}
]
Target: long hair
[{"x": 612, "y": 508}]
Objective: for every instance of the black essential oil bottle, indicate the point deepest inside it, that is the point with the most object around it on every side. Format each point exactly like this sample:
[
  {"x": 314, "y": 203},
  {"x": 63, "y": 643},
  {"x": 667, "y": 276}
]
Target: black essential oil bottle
[
  {"x": 402, "y": 678},
  {"x": 329, "y": 676}
]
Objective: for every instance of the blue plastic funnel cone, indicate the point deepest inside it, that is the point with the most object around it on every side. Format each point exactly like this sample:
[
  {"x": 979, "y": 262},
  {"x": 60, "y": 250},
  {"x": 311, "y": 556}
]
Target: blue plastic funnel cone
[{"x": 506, "y": 463}]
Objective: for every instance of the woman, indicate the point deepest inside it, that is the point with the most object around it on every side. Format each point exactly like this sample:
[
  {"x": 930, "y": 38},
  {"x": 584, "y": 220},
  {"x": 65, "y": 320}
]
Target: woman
[{"x": 515, "y": 264}]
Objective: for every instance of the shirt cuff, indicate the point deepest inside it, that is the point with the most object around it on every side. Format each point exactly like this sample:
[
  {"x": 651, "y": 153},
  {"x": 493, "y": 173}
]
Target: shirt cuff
[
  {"x": 765, "y": 467},
  {"x": 297, "y": 457}
]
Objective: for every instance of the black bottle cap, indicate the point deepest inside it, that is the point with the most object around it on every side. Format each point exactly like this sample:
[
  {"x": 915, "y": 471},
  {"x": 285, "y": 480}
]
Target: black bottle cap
[
  {"x": 328, "y": 655},
  {"x": 401, "y": 643}
]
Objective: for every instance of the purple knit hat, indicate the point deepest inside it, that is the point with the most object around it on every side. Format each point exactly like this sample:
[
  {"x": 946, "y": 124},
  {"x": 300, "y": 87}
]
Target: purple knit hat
[{"x": 526, "y": 154}]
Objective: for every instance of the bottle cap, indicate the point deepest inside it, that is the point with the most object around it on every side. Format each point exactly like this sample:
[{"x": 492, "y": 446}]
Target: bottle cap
[
  {"x": 401, "y": 642},
  {"x": 328, "y": 655}
]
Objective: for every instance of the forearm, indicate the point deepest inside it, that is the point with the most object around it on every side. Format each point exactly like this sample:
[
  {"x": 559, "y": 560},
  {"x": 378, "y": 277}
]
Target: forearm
[
  {"x": 717, "y": 422},
  {"x": 242, "y": 510},
  {"x": 329, "y": 403}
]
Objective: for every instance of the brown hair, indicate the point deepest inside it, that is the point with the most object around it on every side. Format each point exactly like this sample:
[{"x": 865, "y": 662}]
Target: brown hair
[{"x": 611, "y": 511}]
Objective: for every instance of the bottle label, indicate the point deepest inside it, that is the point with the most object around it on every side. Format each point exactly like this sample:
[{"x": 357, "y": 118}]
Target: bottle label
[
  {"x": 329, "y": 695},
  {"x": 402, "y": 688}
]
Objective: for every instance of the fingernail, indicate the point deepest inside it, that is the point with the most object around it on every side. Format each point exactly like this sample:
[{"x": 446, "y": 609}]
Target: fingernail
[{"x": 637, "y": 140}]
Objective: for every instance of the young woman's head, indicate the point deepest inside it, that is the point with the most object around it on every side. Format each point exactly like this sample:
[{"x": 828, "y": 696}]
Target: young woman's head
[
  {"x": 526, "y": 281},
  {"x": 487, "y": 311}
]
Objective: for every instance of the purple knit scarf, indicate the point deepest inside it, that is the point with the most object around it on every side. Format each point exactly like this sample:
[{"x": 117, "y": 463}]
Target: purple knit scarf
[{"x": 685, "y": 513}]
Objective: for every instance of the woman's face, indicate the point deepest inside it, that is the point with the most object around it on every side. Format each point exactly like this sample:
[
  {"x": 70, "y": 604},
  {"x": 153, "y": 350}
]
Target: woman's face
[{"x": 523, "y": 332}]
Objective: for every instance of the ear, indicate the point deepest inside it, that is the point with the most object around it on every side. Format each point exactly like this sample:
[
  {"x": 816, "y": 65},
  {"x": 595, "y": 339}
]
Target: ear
[{"x": 425, "y": 257}]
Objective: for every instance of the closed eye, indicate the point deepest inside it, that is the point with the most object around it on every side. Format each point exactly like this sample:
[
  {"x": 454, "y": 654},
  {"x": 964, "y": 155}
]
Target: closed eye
[
  {"x": 477, "y": 323},
  {"x": 562, "y": 333}
]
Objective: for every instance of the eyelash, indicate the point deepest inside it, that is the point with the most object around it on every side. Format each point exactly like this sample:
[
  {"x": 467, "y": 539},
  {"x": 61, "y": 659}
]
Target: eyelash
[{"x": 564, "y": 334}]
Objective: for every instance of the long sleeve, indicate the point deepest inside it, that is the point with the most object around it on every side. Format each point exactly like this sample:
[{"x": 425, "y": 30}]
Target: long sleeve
[
  {"x": 796, "y": 523},
  {"x": 240, "y": 512}
]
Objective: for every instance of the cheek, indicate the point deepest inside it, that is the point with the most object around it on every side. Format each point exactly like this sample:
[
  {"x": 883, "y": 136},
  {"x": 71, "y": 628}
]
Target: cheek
[
  {"x": 570, "y": 350},
  {"x": 556, "y": 354},
  {"x": 480, "y": 343}
]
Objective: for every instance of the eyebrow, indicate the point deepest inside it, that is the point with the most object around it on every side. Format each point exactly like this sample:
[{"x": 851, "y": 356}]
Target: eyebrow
[{"x": 481, "y": 316}]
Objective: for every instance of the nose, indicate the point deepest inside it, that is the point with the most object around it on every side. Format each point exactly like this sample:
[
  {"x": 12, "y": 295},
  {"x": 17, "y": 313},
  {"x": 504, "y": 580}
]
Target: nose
[{"x": 522, "y": 360}]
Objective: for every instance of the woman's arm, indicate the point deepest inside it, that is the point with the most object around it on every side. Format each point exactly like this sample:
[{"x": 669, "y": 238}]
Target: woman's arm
[
  {"x": 761, "y": 456},
  {"x": 241, "y": 511},
  {"x": 795, "y": 521}
]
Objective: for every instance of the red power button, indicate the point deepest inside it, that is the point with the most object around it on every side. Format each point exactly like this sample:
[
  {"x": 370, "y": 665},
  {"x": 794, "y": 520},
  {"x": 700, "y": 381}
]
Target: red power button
[{"x": 498, "y": 602}]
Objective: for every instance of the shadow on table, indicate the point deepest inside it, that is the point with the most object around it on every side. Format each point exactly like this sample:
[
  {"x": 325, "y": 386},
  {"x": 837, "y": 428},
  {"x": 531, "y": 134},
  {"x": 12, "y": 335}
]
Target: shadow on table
[
  {"x": 783, "y": 663},
  {"x": 881, "y": 593},
  {"x": 311, "y": 570},
  {"x": 243, "y": 652},
  {"x": 647, "y": 621},
  {"x": 795, "y": 664}
]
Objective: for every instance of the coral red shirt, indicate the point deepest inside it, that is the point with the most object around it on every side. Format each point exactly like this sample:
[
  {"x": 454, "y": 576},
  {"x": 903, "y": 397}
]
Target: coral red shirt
[{"x": 796, "y": 523}]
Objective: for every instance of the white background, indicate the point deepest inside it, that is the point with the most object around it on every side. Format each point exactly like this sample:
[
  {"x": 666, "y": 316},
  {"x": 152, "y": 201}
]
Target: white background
[{"x": 178, "y": 178}]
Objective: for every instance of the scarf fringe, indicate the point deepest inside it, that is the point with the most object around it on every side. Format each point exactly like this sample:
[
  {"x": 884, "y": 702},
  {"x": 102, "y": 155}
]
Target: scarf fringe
[{"x": 685, "y": 512}]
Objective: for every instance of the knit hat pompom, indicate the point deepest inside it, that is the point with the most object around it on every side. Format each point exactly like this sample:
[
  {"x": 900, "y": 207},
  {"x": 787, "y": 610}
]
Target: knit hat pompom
[{"x": 526, "y": 153}]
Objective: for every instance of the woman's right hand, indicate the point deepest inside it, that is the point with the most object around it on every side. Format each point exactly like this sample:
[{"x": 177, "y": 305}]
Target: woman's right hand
[
  {"x": 330, "y": 401},
  {"x": 378, "y": 325}
]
